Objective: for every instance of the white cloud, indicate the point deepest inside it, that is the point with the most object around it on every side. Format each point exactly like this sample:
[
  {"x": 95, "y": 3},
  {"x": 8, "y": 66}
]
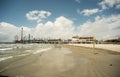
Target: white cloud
[
  {"x": 102, "y": 27},
  {"x": 62, "y": 27},
  {"x": 78, "y": 1},
  {"x": 37, "y": 15},
  {"x": 88, "y": 12},
  {"x": 105, "y": 4},
  {"x": 7, "y": 31}
]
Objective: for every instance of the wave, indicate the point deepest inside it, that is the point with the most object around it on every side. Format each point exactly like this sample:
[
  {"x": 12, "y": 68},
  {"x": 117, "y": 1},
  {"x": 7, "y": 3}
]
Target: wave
[
  {"x": 20, "y": 52},
  {"x": 3, "y": 49}
]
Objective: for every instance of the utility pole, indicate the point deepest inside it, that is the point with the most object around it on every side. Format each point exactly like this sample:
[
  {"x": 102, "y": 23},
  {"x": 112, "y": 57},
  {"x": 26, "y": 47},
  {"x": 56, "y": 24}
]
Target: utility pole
[
  {"x": 29, "y": 38},
  {"x": 22, "y": 35},
  {"x": 93, "y": 42}
]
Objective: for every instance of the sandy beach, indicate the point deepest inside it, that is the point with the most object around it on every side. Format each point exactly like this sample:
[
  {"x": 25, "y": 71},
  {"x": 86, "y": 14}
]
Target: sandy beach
[
  {"x": 64, "y": 61},
  {"x": 112, "y": 47}
]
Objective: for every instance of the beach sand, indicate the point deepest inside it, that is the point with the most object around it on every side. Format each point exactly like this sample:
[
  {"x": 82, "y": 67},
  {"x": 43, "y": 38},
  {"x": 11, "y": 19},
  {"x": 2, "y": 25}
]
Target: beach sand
[
  {"x": 111, "y": 47},
  {"x": 64, "y": 61}
]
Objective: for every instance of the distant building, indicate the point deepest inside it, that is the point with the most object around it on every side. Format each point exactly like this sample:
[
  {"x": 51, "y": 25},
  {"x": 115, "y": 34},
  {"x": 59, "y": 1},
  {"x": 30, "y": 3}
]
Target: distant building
[
  {"x": 83, "y": 40},
  {"x": 113, "y": 41}
]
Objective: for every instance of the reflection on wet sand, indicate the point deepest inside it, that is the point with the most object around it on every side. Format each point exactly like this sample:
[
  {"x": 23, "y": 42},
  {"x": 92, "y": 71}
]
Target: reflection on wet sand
[{"x": 59, "y": 60}]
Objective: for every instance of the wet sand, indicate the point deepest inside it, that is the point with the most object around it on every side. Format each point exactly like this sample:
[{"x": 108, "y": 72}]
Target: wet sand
[{"x": 64, "y": 61}]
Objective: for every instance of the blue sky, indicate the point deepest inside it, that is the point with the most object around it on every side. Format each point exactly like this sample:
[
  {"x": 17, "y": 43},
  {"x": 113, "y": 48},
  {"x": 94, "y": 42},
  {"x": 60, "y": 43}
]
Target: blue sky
[
  {"x": 78, "y": 11},
  {"x": 13, "y": 11}
]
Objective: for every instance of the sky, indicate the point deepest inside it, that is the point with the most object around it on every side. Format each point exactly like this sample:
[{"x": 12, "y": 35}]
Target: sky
[{"x": 59, "y": 18}]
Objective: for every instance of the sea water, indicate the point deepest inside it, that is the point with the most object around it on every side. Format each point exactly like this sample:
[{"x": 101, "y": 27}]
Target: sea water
[{"x": 8, "y": 51}]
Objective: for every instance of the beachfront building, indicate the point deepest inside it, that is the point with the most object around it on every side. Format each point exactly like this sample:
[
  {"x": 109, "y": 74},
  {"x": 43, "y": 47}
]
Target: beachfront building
[{"x": 83, "y": 40}]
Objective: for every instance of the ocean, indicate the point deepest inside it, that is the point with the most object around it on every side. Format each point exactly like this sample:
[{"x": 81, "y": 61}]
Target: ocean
[{"x": 8, "y": 51}]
